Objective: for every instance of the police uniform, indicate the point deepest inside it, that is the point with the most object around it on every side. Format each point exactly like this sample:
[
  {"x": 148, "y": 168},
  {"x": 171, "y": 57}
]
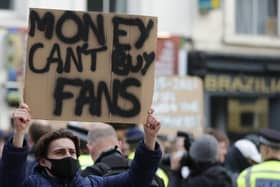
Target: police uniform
[{"x": 267, "y": 173}]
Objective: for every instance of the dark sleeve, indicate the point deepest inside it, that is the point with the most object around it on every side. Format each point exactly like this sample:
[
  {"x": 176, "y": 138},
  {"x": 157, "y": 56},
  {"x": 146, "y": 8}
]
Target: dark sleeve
[
  {"x": 195, "y": 182},
  {"x": 1, "y": 182},
  {"x": 141, "y": 172},
  {"x": 144, "y": 165},
  {"x": 92, "y": 170},
  {"x": 13, "y": 164}
]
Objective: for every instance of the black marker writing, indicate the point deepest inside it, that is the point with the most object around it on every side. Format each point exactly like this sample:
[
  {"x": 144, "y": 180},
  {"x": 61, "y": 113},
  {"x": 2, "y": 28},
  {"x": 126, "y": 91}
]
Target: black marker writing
[
  {"x": 93, "y": 98},
  {"x": 63, "y": 63},
  {"x": 144, "y": 31},
  {"x": 84, "y": 25}
]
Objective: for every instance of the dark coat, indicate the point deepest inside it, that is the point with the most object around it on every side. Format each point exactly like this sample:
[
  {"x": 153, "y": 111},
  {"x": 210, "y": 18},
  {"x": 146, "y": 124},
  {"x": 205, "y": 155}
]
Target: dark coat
[
  {"x": 140, "y": 174},
  {"x": 210, "y": 176},
  {"x": 112, "y": 162},
  {"x": 235, "y": 163},
  {"x": 13, "y": 164},
  {"x": 108, "y": 163}
]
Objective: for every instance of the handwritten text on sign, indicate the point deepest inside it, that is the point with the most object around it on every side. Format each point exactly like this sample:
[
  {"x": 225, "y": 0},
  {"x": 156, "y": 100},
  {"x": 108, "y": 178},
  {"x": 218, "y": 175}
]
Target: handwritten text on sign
[
  {"x": 90, "y": 66},
  {"x": 178, "y": 102}
]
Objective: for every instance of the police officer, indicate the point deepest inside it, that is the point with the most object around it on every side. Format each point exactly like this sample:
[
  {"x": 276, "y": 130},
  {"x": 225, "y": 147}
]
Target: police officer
[{"x": 266, "y": 173}]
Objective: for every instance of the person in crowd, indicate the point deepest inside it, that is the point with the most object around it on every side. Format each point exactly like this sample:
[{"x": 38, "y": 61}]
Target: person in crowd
[
  {"x": 267, "y": 172},
  {"x": 133, "y": 136},
  {"x": 36, "y": 130},
  {"x": 223, "y": 142},
  {"x": 253, "y": 138},
  {"x": 205, "y": 170},
  {"x": 56, "y": 153},
  {"x": 104, "y": 148},
  {"x": 242, "y": 154}
]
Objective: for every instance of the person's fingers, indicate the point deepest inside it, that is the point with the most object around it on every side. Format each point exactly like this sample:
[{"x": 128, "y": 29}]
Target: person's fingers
[
  {"x": 22, "y": 114},
  {"x": 158, "y": 125},
  {"x": 150, "y": 111},
  {"x": 154, "y": 124},
  {"x": 24, "y": 106}
]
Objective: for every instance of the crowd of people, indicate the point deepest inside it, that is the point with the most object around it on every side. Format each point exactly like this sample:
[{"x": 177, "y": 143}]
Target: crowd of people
[{"x": 36, "y": 154}]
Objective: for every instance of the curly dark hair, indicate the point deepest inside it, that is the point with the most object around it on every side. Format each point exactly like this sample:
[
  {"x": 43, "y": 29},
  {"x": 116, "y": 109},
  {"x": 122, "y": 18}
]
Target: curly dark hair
[{"x": 41, "y": 147}]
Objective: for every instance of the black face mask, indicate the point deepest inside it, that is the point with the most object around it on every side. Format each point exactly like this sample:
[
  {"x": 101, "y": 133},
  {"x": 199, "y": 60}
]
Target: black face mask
[{"x": 64, "y": 168}]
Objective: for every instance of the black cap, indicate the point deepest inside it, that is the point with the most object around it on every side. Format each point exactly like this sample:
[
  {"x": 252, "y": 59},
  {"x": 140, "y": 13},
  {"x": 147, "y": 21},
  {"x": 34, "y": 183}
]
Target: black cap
[{"x": 270, "y": 137}]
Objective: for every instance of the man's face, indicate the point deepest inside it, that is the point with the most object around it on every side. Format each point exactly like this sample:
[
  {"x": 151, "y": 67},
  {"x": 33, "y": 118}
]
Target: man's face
[{"x": 61, "y": 148}]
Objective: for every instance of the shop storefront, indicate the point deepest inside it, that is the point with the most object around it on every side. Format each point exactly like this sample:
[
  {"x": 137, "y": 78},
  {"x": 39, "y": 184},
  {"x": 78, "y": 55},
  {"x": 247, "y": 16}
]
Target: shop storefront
[{"x": 241, "y": 93}]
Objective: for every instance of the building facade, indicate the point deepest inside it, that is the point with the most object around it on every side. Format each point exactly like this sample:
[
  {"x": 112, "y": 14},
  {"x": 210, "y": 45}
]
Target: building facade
[{"x": 236, "y": 52}]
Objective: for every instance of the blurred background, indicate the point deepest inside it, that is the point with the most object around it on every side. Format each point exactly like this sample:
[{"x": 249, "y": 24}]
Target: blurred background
[{"x": 221, "y": 58}]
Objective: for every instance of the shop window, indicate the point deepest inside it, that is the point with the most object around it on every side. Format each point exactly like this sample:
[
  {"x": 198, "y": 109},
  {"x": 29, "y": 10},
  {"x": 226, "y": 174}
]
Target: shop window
[
  {"x": 257, "y": 17},
  {"x": 247, "y": 119},
  {"x": 247, "y": 115}
]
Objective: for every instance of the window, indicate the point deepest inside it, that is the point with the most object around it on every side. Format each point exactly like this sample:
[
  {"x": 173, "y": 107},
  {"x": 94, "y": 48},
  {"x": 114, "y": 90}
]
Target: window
[
  {"x": 117, "y": 6},
  {"x": 247, "y": 114},
  {"x": 6, "y": 5},
  {"x": 247, "y": 119},
  {"x": 256, "y": 17},
  {"x": 252, "y": 22}
]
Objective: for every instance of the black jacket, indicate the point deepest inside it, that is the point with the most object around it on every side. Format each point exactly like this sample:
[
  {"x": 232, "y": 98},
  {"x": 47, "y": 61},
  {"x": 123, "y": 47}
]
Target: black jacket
[
  {"x": 109, "y": 163},
  {"x": 112, "y": 162},
  {"x": 208, "y": 175},
  {"x": 235, "y": 163}
]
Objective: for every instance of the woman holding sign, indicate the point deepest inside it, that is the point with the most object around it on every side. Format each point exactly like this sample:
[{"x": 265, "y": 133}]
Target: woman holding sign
[{"x": 57, "y": 153}]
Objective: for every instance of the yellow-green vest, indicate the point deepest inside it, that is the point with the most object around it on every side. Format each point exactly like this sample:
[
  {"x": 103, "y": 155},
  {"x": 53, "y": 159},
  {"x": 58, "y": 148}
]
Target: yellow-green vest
[
  {"x": 162, "y": 174},
  {"x": 85, "y": 161},
  {"x": 264, "y": 174}
]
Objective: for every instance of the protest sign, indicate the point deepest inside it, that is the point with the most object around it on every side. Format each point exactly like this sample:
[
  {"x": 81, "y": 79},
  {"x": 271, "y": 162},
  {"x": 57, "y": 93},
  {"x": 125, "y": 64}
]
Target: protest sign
[
  {"x": 90, "y": 66},
  {"x": 178, "y": 102}
]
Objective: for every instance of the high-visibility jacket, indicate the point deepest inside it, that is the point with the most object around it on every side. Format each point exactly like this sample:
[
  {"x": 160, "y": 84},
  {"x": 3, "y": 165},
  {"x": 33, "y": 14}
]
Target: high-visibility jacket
[
  {"x": 266, "y": 174},
  {"x": 85, "y": 161},
  {"x": 163, "y": 175}
]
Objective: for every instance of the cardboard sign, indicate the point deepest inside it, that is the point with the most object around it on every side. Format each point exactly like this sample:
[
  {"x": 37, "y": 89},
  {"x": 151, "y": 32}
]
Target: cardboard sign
[
  {"x": 178, "y": 103},
  {"x": 89, "y": 66}
]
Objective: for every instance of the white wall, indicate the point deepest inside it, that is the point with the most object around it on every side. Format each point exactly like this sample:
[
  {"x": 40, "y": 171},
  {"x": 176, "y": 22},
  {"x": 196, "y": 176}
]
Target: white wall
[
  {"x": 174, "y": 17},
  {"x": 18, "y": 16}
]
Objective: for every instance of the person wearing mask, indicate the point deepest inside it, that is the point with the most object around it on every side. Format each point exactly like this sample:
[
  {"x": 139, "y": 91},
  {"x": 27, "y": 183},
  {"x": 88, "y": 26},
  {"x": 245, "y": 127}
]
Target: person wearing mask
[
  {"x": 266, "y": 173},
  {"x": 57, "y": 152},
  {"x": 205, "y": 170}
]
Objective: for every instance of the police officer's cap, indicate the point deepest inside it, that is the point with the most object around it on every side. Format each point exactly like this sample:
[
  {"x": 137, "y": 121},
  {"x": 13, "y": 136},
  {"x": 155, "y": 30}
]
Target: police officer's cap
[{"x": 270, "y": 137}]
